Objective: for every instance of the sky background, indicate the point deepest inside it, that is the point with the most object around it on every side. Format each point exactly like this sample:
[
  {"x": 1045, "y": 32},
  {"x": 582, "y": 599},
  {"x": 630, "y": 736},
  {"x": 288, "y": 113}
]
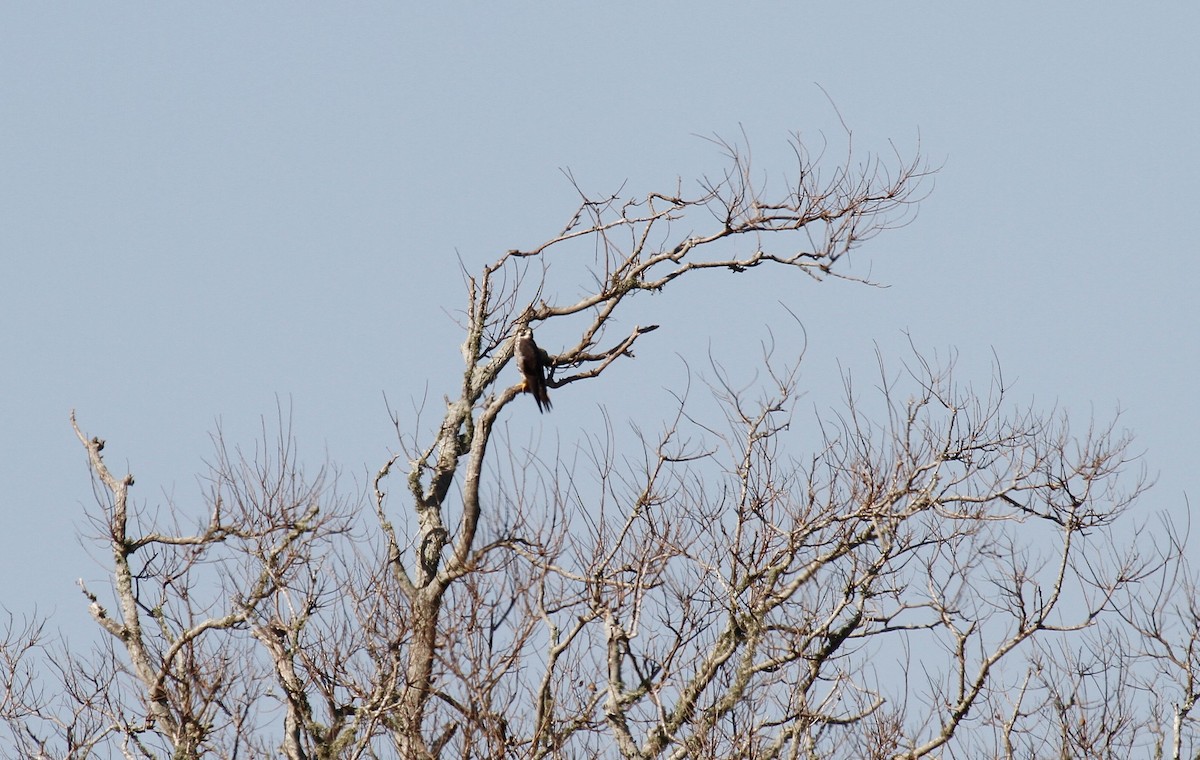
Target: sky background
[{"x": 206, "y": 211}]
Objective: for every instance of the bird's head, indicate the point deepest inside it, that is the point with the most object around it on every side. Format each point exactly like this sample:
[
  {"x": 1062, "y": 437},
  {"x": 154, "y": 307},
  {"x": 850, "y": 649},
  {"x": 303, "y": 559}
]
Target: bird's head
[{"x": 523, "y": 332}]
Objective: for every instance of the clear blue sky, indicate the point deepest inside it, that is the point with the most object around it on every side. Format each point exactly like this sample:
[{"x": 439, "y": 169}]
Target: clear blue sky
[{"x": 206, "y": 207}]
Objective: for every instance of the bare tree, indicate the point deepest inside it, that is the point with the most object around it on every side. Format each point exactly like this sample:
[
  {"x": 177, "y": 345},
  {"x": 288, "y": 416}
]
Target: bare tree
[{"x": 939, "y": 573}]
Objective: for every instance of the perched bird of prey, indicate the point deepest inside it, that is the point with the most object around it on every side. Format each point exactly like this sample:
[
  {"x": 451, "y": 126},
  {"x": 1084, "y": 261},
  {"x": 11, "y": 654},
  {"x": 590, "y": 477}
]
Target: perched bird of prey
[{"x": 532, "y": 363}]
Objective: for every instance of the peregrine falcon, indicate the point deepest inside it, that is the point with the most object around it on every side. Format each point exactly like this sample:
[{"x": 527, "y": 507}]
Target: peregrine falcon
[{"x": 532, "y": 363}]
